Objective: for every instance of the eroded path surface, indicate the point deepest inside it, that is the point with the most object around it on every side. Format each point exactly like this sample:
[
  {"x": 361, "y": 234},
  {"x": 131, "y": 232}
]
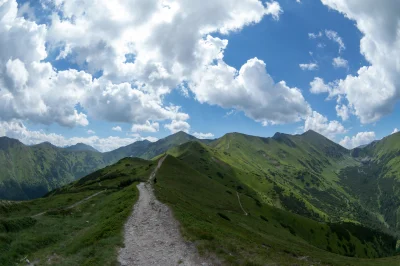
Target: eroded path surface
[{"x": 152, "y": 235}]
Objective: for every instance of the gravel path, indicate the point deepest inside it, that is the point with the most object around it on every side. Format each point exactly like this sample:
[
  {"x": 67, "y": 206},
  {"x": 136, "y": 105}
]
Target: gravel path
[
  {"x": 152, "y": 235},
  {"x": 73, "y": 205},
  {"x": 240, "y": 203}
]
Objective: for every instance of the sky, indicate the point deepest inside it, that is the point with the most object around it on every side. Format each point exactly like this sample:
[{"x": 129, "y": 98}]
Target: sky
[{"x": 109, "y": 73}]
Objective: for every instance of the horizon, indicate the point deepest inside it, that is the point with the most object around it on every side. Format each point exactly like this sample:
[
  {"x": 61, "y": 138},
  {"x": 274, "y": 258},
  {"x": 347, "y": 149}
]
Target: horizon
[{"x": 213, "y": 139}]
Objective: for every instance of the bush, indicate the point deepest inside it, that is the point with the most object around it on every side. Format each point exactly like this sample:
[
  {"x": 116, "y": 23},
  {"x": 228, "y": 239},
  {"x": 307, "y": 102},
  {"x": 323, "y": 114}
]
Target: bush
[
  {"x": 15, "y": 225},
  {"x": 264, "y": 218},
  {"x": 223, "y": 216},
  {"x": 128, "y": 182}
]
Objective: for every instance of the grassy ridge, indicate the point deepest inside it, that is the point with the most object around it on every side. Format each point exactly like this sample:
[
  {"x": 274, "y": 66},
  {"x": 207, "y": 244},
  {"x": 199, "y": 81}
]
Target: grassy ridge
[
  {"x": 210, "y": 215},
  {"x": 87, "y": 234}
]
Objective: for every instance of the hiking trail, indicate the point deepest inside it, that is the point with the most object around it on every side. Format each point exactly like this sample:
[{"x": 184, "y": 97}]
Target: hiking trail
[{"x": 152, "y": 235}]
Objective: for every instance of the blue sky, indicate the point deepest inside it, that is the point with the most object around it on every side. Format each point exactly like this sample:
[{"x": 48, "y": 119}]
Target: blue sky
[{"x": 279, "y": 38}]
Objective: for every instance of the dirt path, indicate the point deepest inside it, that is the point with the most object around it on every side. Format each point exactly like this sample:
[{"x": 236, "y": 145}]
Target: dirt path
[
  {"x": 240, "y": 203},
  {"x": 152, "y": 235},
  {"x": 73, "y": 205}
]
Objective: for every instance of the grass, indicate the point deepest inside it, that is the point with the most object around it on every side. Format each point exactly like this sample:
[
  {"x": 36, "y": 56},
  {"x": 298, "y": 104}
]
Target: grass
[
  {"x": 211, "y": 217},
  {"x": 88, "y": 234}
]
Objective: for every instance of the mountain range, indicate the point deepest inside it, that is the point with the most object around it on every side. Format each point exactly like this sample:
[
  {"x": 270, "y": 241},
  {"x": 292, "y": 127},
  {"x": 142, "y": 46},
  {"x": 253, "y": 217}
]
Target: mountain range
[
  {"x": 288, "y": 199},
  {"x": 31, "y": 171}
]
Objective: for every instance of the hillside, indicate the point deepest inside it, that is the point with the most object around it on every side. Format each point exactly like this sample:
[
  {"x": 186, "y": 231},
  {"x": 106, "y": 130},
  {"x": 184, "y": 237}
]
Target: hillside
[
  {"x": 64, "y": 228},
  {"x": 32, "y": 171},
  {"x": 223, "y": 216},
  {"x": 287, "y": 200},
  {"x": 306, "y": 174},
  {"x": 81, "y": 223},
  {"x": 376, "y": 180}
]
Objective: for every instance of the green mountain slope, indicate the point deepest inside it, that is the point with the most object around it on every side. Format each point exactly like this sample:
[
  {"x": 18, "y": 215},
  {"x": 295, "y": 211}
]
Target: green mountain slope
[
  {"x": 306, "y": 174},
  {"x": 286, "y": 200},
  {"x": 376, "y": 180},
  {"x": 211, "y": 204},
  {"x": 217, "y": 211},
  {"x": 32, "y": 171},
  {"x": 299, "y": 172},
  {"x": 61, "y": 229}
]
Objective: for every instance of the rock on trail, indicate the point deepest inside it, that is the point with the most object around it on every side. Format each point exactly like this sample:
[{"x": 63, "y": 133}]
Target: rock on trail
[{"x": 152, "y": 235}]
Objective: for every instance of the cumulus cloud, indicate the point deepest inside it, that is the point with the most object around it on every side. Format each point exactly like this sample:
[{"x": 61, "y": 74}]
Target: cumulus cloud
[
  {"x": 90, "y": 132},
  {"x": 274, "y": 9},
  {"x": 340, "y": 62},
  {"x": 374, "y": 91},
  {"x": 176, "y": 126},
  {"x": 166, "y": 45},
  {"x": 147, "y": 127},
  {"x": 318, "y": 86},
  {"x": 251, "y": 90},
  {"x": 30, "y": 88},
  {"x": 309, "y": 66},
  {"x": 362, "y": 138},
  {"x": 322, "y": 125},
  {"x": 343, "y": 111},
  {"x": 201, "y": 135},
  {"x": 16, "y": 129},
  {"x": 395, "y": 131},
  {"x": 117, "y": 128}
]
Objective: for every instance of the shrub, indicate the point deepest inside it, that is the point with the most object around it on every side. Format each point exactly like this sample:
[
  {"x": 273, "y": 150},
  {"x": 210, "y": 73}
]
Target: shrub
[{"x": 223, "y": 216}]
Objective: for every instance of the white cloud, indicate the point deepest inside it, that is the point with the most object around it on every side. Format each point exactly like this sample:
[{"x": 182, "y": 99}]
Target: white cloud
[
  {"x": 200, "y": 135},
  {"x": 251, "y": 90},
  {"x": 362, "y": 138},
  {"x": 395, "y": 131},
  {"x": 374, "y": 91},
  {"x": 310, "y": 66},
  {"x": 29, "y": 87},
  {"x": 90, "y": 132},
  {"x": 25, "y": 10},
  {"x": 167, "y": 46},
  {"x": 318, "y": 86},
  {"x": 340, "y": 62},
  {"x": 146, "y": 127},
  {"x": 274, "y": 9},
  {"x": 322, "y": 125},
  {"x": 117, "y": 128},
  {"x": 331, "y": 35},
  {"x": 343, "y": 111},
  {"x": 176, "y": 126},
  {"x": 334, "y": 36},
  {"x": 315, "y": 35},
  {"x": 16, "y": 129}
]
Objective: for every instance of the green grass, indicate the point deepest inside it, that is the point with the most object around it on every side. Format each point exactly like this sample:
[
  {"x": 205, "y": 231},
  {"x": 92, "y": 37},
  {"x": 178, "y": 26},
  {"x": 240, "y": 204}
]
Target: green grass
[
  {"x": 88, "y": 234},
  {"x": 211, "y": 217}
]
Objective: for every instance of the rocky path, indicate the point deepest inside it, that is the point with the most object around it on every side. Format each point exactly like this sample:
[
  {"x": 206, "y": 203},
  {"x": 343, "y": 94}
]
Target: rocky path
[{"x": 152, "y": 235}]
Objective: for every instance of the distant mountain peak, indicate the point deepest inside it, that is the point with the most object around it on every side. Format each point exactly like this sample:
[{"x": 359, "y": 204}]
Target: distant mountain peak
[
  {"x": 179, "y": 135},
  {"x": 311, "y": 132},
  {"x": 81, "y": 147},
  {"x": 6, "y": 142},
  {"x": 45, "y": 144}
]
